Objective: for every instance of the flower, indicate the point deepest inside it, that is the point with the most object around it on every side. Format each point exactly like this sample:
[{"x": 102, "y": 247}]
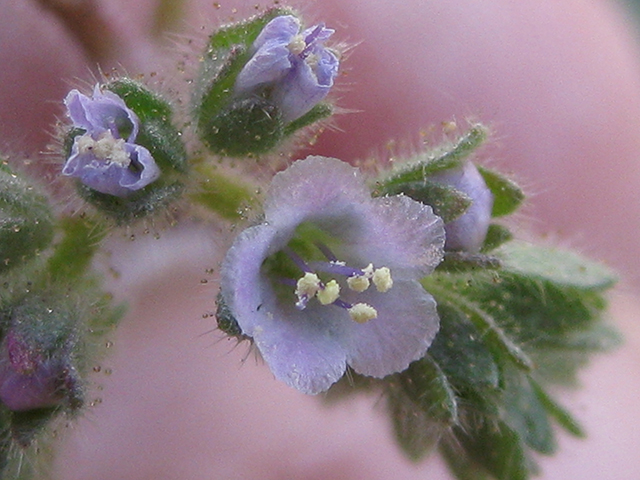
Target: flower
[
  {"x": 101, "y": 158},
  {"x": 286, "y": 280},
  {"x": 467, "y": 232},
  {"x": 295, "y": 67},
  {"x": 31, "y": 378}
]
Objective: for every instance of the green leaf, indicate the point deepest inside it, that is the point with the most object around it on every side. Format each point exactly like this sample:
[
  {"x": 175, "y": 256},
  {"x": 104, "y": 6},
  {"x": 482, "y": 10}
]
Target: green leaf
[
  {"x": 557, "y": 412},
  {"x": 455, "y": 295},
  {"x": 416, "y": 431},
  {"x": 527, "y": 415},
  {"x": 497, "y": 448},
  {"x": 556, "y": 265},
  {"x": 460, "y": 352},
  {"x": 463, "y": 467},
  {"x": 422, "y": 405},
  {"x": 426, "y": 385},
  {"x": 507, "y": 195}
]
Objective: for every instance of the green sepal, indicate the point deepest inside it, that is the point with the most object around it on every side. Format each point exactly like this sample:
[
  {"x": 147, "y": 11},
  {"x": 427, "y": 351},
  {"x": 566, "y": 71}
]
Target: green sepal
[
  {"x": 496, "y": 235},
  {"x": 446, "y": 201},
  {"x": 457, "y": 262},
  {"x": 507, "y": 195},
  {"x": 319, "y": 112},
  {"x": 245, "y": 127},
  {"x": 26, "y": 221},
  {"x": 156, "y": 131},
  {"x": 224, "y": 122},
  {"x": 227, "y": 322},
  {"x": 152, "y": 199},
  {"x": 25, "y": 426},
  {"x": 423, "y": 165}
]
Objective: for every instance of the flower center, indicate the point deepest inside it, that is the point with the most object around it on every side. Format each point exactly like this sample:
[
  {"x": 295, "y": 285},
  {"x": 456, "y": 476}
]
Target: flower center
[
  {"x": 106, "y": 148},
  {"x": 310, "y": 286}
]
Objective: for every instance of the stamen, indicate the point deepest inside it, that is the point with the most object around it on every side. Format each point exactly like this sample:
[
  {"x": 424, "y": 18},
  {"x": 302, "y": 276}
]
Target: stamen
[
  {"x": 295, "y": 258},
  {"x": 306, "y": 288},
  {"x": 358, "y": 283},
  {"x": 329, "y": 293},
  {"x": 362, "y": 313},
  {"x": 382, "y": 279},
  {"x": 297, "y": 45},
  {"x": 107, "y": 148},
  {"x": 326, "y": 252}
]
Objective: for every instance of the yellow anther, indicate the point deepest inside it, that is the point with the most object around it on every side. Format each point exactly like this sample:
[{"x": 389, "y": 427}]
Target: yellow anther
[
  {"x": 105, "y": 148},
  {"x": 297, "y": 45},
  {"x": 362, "y": 313},
  {"x": 329, "y": 293},
  {"x": 308, "y": 285},
  {"x": 382, "y": 279},
  {"x": 359, "y": 283}
]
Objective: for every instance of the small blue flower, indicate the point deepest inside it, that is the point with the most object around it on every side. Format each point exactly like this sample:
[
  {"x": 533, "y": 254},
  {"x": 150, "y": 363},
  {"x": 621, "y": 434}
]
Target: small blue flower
[
  {"x": 31, "y": 379},
  {"x": 296, "y": 67},
  {"x": 467, "y": 232},
  {"x": 330, "y": 278},
  {"x": 101, "y": 158}
]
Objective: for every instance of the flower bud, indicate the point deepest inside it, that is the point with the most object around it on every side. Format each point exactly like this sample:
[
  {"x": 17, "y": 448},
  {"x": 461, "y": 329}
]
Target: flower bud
[
  {"x": 39, "y": 355},
  {"x": 261, "y": 81},
  {"x": 123, "y": 149},
  {"x": 467, "y": 232}
]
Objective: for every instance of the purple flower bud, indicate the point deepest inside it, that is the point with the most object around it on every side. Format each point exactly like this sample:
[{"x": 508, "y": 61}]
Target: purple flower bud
[
  {"x": 295, "y": 67},
  {"x": 467, "y": 232},
  {"x": 101, "y": 158},
  {"x": 331, "y": 277},
  {"x": 30, "y": 378}
]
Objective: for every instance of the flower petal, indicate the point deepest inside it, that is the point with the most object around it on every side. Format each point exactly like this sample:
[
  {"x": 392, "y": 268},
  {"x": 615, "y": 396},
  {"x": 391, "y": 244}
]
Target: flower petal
[
  {"x": 111, "y": 178},
  {"x": 406, "y": 324},
  {"x": 103, "y": 111}
]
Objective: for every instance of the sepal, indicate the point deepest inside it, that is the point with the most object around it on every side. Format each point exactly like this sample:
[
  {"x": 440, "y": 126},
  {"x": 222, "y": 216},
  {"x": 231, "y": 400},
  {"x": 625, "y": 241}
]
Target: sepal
[{"x": 27, "y": 222}]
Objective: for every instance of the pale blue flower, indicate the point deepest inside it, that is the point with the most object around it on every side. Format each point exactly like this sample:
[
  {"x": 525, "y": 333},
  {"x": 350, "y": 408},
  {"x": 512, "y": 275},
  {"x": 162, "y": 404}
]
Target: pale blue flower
[
  {"x": 32, "y": 378},
  {"x": 467, "y": 232},
  {"x": 330, "y": 278},
  {"x": 295, "y": 67},
  {"x": 106, "y": 157}
]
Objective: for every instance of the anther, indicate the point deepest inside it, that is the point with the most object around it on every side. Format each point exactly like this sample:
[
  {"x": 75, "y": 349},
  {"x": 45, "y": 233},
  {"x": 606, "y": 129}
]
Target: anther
[{"x": 362, "y": 313}]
